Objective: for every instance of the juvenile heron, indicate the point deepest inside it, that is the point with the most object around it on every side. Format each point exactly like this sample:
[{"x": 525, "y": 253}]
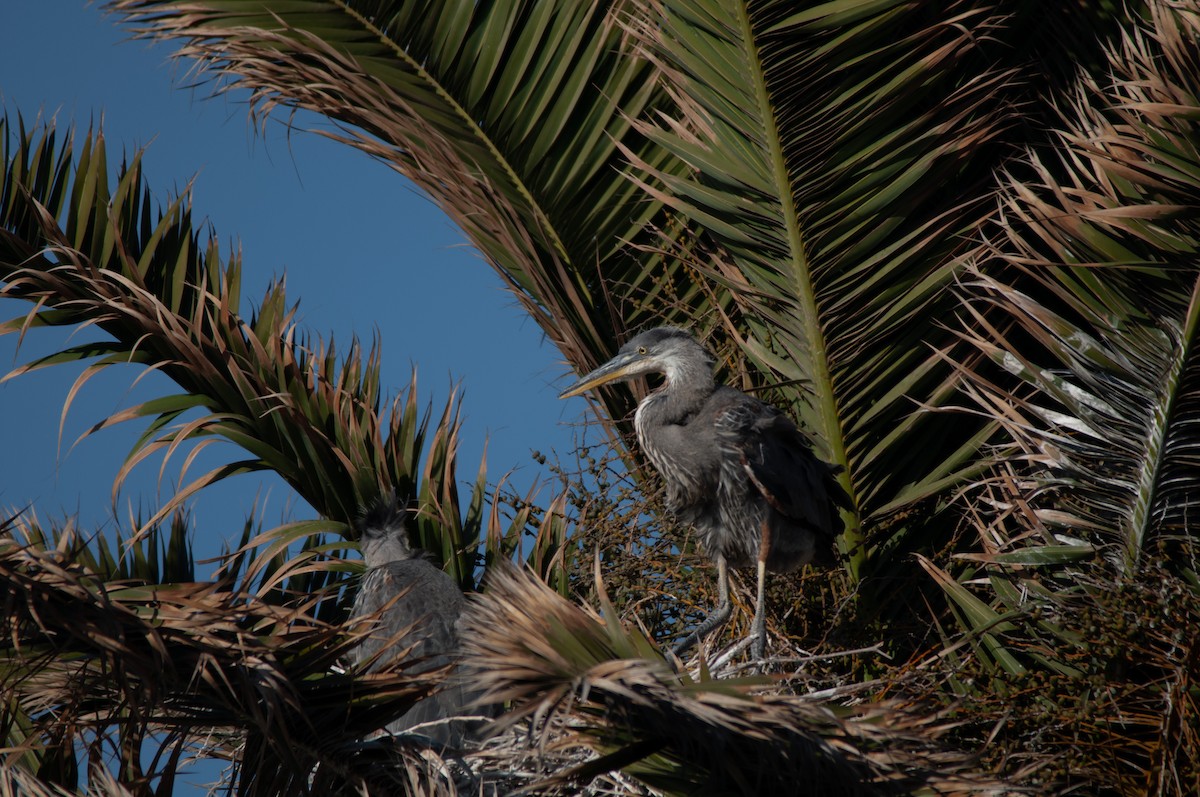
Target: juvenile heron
[
  {"x": 736, "y": 469},
  {"x": 414, "y": 598}
]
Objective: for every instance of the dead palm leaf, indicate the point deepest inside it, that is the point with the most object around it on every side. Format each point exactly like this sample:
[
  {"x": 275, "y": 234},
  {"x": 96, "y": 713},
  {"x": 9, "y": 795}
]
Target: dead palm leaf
[
  {"x": 580, "y": 679},
  {"x": 1087, "y": 293},
  {"x": 113, "y": 662}
]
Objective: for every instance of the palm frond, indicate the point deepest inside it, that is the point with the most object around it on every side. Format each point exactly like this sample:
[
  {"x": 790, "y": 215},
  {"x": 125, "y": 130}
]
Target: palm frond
[
  {"x": 162, "y": 555},
  {"x": 87, "y": 253},
  {"x": 1087, "y": 292},
  {"x": 506, "y": 113},
  {"x": 583, "y": 680},
  {"x": 118, "y": 662},
  {"x": 17, "y": 782},
  {"x": 811, "y": 135},
  {"x": 1093, "y": 263}
]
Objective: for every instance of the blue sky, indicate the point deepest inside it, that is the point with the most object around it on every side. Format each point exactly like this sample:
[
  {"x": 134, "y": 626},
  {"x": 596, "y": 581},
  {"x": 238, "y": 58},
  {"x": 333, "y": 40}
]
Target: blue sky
[{"x": 361, "y": 248}]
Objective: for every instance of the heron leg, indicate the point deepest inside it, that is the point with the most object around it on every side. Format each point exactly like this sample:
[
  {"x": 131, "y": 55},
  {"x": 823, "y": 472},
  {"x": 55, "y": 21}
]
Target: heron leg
[
  {"x": 758, "y": 629},
  {"x": 717, "y": 617}
]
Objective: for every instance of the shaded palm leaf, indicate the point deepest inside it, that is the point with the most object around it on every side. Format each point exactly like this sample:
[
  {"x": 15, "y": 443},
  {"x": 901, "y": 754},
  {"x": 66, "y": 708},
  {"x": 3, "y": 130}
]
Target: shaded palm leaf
[
  {"x": 841, "y": 158},
  {"x": 15, "y": 782},
  {"x": 1103, "y": 239},
  {"x": 822, "y": 142},
  {"x": 1088, "y": 294}
]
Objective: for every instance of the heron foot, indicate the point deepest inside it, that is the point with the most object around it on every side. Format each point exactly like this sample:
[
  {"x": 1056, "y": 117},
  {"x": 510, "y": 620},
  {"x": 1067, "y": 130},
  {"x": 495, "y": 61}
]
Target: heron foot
[
  {"x": 717, "y": 618},
  {"x": 758, "y": 648},
  {"x": 684, "y": 645}
]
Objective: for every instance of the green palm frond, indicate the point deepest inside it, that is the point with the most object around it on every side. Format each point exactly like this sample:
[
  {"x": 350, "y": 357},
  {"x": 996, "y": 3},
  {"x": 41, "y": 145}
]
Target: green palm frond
[
  {"x": 508, "y": 114},
  {"x": 822, "y": 143},
  {"x": 161, "y": 555},
  {"x": 85, "y": 252}
]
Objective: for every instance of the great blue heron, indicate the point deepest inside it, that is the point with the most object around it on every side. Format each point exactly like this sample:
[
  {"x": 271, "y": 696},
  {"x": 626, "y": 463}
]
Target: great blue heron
[
  {"x": 736, "y": 469},
  {"x": 409, "y": 593}
]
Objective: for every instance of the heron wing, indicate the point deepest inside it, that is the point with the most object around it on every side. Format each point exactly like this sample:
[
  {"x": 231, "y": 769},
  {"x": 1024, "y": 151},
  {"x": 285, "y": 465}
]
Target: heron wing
[
  {"x": 779, "y": 463},
  {"x": 417, "y": 605},
  {"x": 418, "y": 608}
]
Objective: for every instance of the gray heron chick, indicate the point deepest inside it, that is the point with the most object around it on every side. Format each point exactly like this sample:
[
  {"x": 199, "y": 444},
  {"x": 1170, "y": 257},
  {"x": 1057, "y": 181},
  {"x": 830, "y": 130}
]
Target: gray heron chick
[
  {"x": 409, "y": 596},
  {"x": 736, "y": 469}
]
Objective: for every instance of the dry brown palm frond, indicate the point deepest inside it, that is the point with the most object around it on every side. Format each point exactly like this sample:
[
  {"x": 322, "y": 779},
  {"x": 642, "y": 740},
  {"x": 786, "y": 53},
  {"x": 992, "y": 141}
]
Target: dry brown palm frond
[
  {"x": 17, "y": 782},
  {"x": 89, "y": 660},
  {"x": 512, "y": 764},
  {"x": 582, "y": 681},
  {"x": 1085, "y": 290}
]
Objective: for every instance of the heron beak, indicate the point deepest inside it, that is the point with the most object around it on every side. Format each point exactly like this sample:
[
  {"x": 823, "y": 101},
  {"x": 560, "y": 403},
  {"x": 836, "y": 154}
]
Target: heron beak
[{"x": 622, "y": 366}]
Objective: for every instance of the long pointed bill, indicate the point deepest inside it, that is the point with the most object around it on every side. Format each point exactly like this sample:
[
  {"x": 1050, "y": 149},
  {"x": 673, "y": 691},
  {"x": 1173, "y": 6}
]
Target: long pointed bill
[{"x": 620, "y": 367}]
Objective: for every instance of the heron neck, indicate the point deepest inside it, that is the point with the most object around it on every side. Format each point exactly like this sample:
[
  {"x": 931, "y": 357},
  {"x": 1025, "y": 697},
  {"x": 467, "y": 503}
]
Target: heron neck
[
  {"x": 685, "y": 390},
  {"x": 380, "y": 552}
]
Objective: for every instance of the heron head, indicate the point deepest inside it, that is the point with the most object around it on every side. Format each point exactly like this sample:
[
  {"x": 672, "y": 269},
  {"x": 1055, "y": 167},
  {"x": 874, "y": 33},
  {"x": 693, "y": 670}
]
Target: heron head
[
  {"x": 383, "y": 534},
  {"x": 664, "y": 350}
]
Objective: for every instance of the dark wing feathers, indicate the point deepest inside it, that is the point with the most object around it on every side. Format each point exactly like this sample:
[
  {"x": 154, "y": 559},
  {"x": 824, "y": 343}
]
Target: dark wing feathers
[
  {"x": 779, "y": 462},
  {"x": 414, "y": 596},
  {"x": 418, "y": 609}
]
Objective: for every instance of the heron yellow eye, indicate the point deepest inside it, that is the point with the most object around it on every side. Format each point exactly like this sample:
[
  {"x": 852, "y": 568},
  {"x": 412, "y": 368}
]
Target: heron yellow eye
[{"x": 641, "y": 349}]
